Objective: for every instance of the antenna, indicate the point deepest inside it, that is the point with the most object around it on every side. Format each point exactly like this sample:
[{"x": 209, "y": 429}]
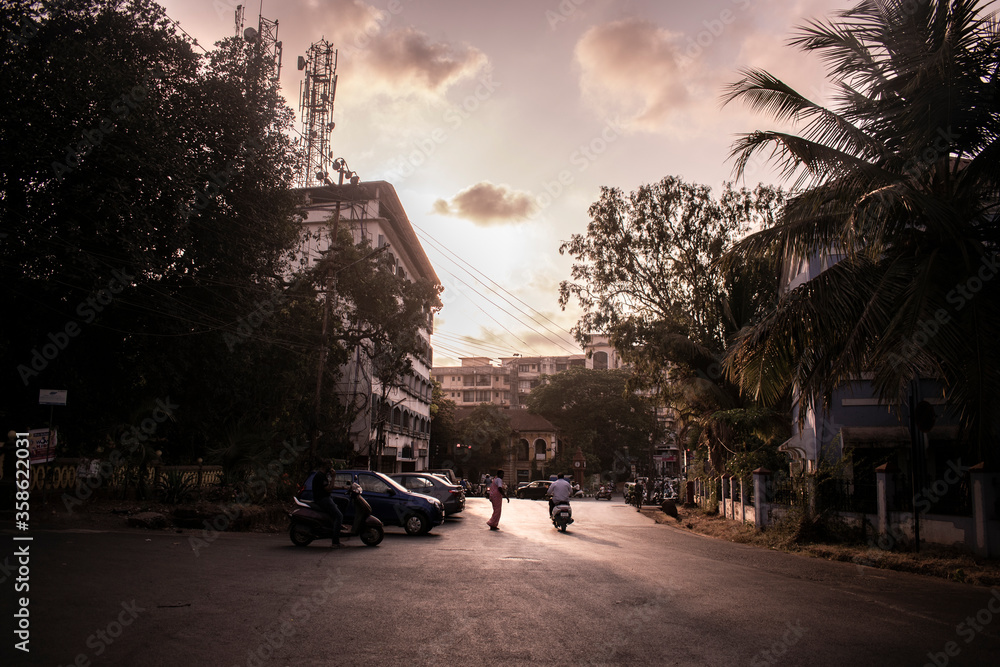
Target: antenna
[
  {"x": 316, "y": 93},
  {"x": 265, "y": 55}
]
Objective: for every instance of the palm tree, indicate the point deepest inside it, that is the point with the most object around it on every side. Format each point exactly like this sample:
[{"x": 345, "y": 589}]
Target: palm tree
[{"x": 897, "y": 187}]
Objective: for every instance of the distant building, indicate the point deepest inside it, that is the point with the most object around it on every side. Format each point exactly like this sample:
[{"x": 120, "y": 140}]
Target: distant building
[
  {"x": 390, "y": 435},
  {"x": 507, "y": 381}
]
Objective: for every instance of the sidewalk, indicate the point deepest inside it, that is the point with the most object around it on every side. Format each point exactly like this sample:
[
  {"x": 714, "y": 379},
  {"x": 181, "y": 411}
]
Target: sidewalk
[{"x": 933, "y": 560}]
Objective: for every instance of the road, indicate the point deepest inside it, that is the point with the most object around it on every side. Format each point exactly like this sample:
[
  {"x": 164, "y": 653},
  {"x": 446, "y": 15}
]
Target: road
[{"x": 617, "y": 589}]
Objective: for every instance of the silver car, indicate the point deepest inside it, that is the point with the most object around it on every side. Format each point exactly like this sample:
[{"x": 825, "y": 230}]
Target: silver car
[{"x": 452, "y": 496}]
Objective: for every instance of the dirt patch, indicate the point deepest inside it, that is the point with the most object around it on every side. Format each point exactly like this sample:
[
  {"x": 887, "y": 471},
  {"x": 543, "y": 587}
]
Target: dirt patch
[
  {"x": 106, "y": 514},
  {"x": 828, "y": 542}
]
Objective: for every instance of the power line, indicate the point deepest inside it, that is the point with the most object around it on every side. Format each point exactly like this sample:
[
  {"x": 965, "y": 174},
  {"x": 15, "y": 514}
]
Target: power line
[{"x": 479, "y": 275}]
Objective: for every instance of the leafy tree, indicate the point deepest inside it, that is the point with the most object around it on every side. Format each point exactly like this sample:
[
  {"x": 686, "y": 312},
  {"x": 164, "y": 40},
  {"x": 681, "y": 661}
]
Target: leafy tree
[
  {"x": 599, "y": 412},
  {"x": 485, "y": 434},
  {"x": 901, "y": 186},
  {"x": 444, "y": 427},
  {"x": 647, "y": 275}
]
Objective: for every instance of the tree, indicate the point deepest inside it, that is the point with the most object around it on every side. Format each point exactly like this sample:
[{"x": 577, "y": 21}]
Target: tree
[
  {"x": 148, "y": 220},
  {"x": 901, "y": 185},
  {"x": 647, "y": 275},
  {"x": 485, "y": 435},
  {"x": 599, "y": 412},
  {"x": 444, "y": 427}
]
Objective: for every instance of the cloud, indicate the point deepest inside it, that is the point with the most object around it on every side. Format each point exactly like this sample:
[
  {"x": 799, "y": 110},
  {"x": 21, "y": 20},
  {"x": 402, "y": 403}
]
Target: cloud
[
  {"x": 346, "y": 20},
  {"x": 486, "y": 204},
  {"x": 631, "y": 68},
  {"x": 406, "y": 60}
]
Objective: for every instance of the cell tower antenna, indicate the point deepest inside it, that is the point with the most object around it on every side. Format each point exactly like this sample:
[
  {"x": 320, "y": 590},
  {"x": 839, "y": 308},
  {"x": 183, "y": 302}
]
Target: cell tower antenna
[
  {"x": 316, "y": 93},
  {"x": 266, "y": 49}
]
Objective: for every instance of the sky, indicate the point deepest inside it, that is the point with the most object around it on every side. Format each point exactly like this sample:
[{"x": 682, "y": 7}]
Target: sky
[{"x": 499, "y": 122}]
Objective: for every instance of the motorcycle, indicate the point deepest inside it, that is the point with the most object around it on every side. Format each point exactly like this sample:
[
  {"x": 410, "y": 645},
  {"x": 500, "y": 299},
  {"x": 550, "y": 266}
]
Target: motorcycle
[
  {"x": 309, "y": 523},
  {"x": 562, "y": 516},
  {"x": 604, "y": 492}
]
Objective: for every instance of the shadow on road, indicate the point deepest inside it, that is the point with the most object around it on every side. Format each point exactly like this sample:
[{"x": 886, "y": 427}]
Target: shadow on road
[{"x": 587, "y": 538}]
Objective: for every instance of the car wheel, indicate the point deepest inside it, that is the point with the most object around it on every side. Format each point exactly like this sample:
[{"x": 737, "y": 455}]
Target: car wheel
[
  {"x": 415, "y": 524},
  {"x": 372, "y": 535},
  {"x": 301, "y": 536}
]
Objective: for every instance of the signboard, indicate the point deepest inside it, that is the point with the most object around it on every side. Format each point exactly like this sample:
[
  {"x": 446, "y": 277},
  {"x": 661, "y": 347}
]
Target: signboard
[
  {"x": 42, "y": 451},
  {"x": 52, "y": 396}
]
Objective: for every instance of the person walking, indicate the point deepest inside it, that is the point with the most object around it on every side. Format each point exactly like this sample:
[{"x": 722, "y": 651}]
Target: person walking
[
  {"x": 639, "y": 491},
  {"x": 498, "y": 491}
]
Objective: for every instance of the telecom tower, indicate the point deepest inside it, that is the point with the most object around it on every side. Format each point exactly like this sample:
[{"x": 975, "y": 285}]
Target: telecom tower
[
  {"x": 267, "y": 49},
  {"x": 316, "y": 95}
]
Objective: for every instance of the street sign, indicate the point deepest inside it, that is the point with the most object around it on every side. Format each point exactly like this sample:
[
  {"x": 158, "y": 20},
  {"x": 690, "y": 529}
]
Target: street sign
[
  {"x": 41, "y": 447},
  {"x": 52, "y": 396}
]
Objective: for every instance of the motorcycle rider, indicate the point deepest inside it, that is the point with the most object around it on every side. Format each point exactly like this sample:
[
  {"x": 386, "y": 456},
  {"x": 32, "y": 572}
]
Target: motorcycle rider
[
  {"x": 322, "y": 485},
  {"x": 559, "y": 493}
]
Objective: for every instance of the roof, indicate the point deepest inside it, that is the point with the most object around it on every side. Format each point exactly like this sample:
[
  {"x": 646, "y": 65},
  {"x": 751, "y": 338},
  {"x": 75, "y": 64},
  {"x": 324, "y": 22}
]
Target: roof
[
  {"x": 520, "y": 420},
  {"x": 390, "y": 209}
]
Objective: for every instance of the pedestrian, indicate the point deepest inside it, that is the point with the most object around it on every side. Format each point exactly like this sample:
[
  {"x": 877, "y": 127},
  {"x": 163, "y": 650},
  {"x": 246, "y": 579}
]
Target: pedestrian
[
  {"x": 497, "y": 493},
  {"x": 639, "y": 492}
]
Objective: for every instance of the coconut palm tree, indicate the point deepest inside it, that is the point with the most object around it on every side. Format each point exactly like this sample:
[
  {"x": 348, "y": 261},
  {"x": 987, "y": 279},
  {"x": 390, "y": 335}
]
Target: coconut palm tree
[{"x": 897, "y": 187}]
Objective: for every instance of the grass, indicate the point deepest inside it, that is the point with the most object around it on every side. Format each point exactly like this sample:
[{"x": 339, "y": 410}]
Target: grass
[{"x": 833, "y": 540}]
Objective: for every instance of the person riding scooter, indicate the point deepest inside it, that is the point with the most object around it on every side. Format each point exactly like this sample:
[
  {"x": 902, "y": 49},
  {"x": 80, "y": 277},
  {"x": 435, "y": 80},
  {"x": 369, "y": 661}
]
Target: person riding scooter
[
  {"x": 321, "y": 487},
  {"x": 559, "y": 493}
]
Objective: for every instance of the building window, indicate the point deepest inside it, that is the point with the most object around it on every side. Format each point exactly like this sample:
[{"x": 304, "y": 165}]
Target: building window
[
  {"x": 524, "y": 385},
  {"x": 600, "y": 361},
  {"x": 468, "y": 396},
  {"x": 523, "y": 450},
  {"x": 539, "y": 450},
  {"x": 522, "y": 368}
]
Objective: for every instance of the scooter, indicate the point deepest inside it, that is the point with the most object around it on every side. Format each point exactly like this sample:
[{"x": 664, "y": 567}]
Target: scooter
[
  {"x": 562, "y": 516},
  {"x": 604, "y": 492},
  {"x": 309, "y": 523}
]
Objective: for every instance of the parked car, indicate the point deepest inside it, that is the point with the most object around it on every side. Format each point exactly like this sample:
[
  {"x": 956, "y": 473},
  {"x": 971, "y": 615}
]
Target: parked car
[
  {"x": 391, "y": 503},
  {"x": 535, "y": 490},
  {"x": 447, "y": 473},
  {"x": 452, "y": 496}
]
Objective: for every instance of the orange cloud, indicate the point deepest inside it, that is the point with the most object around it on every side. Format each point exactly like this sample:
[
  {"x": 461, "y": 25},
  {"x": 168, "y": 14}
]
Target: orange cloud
[{"x": 485, "y": 204}]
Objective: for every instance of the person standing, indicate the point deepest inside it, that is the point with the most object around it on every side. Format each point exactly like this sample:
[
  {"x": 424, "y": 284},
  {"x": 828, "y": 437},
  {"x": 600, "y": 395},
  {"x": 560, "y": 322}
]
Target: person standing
[
  {"x": 639, "y": 492},
  {"x": 498, "y": 491}
]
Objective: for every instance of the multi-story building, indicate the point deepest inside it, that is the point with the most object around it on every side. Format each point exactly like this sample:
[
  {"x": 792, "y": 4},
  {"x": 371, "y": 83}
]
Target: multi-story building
[
  {"x": 392, "y": 431},
  {"x": 507, "y": 381}
]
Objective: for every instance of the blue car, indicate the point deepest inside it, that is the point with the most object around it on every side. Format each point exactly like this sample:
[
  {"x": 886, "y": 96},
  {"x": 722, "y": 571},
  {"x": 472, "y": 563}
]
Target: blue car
[{"x": 391, "y": 503}]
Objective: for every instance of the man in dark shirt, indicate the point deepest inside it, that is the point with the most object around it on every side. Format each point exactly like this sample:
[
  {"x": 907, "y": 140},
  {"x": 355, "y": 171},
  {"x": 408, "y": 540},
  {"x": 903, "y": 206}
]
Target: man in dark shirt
[
  {"x": 321, "y": 487},
  {"x": 639, "y": 492}
]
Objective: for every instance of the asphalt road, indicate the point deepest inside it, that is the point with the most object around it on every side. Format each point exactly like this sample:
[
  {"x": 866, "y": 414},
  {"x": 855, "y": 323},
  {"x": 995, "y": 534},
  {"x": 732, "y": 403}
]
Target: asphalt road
[{"x": 616, "y": 589}]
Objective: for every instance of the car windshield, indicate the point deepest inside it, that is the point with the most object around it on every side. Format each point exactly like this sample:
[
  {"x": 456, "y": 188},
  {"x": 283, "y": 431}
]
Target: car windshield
[{"x": 373, "y": 482}]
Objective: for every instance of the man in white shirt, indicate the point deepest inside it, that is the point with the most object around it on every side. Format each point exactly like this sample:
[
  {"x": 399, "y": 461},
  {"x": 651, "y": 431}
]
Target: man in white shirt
[{"x": 559, "y": 492}]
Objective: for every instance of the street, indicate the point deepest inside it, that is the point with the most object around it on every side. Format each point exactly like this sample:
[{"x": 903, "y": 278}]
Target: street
[{"x": 616, "y": 589}]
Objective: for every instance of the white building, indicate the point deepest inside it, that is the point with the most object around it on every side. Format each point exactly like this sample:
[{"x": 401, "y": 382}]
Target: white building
[{"x": 391, "y": 435}]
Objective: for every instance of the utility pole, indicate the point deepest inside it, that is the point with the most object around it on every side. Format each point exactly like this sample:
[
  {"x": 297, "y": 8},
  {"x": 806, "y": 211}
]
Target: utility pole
[{"x": 331, "y": 255}]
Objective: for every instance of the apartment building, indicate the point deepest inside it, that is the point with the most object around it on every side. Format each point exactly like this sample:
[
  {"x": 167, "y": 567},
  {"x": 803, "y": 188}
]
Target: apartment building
[
  {"x": 392, "y": 431},
  {"x": 507, "y": 381}
]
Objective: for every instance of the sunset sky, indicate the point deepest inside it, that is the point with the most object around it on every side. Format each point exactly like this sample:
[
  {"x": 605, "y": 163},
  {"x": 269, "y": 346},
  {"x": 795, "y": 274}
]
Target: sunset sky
[{"x": 498, "y": 122}]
